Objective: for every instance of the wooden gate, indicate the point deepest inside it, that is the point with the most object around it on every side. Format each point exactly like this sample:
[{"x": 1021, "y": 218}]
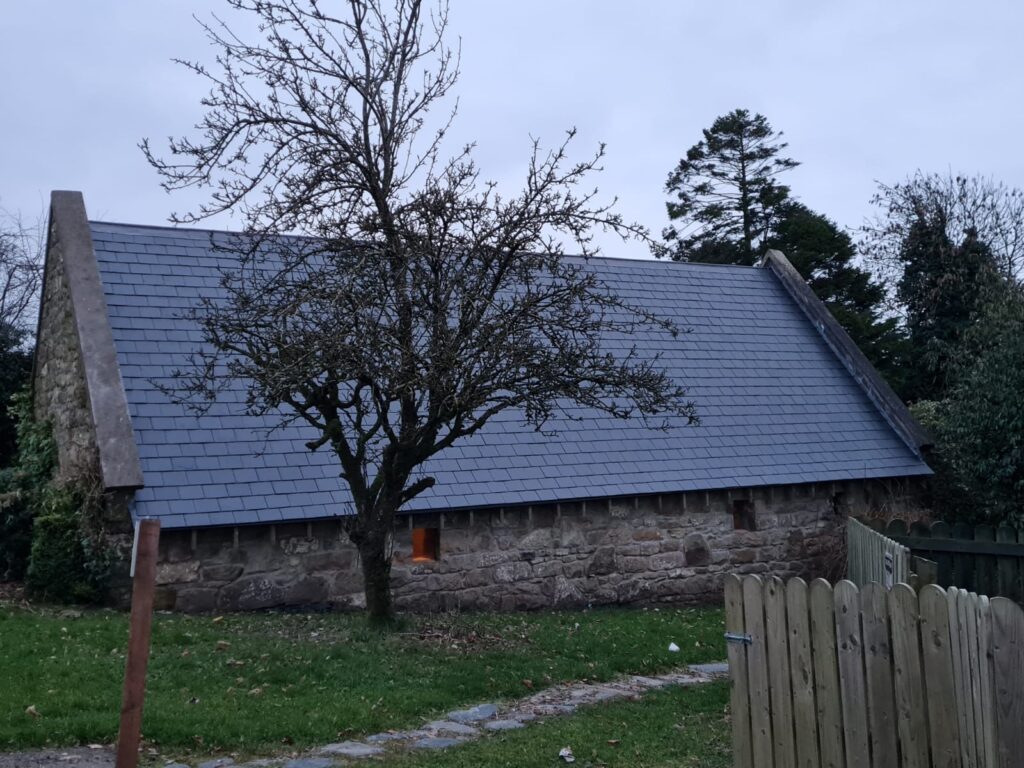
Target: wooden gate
[{"x": 873, "y": 678}]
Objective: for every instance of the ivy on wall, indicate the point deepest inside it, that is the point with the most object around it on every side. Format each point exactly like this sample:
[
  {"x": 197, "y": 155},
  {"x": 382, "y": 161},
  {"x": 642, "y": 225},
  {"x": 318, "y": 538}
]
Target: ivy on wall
[{"x": 51, "y": 532}]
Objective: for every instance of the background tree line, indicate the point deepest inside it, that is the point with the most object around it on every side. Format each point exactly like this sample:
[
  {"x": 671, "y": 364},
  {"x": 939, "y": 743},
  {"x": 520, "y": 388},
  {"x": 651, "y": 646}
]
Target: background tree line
[{"x": 931, "y": 293}]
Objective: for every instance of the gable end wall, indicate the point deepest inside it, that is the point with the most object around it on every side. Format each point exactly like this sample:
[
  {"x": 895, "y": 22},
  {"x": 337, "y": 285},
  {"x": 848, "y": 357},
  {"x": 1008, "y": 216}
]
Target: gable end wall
[{"x": 59, "y": 392}]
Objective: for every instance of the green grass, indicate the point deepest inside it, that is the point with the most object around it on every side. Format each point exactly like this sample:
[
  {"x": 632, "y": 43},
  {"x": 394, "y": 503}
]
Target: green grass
[
  {"x": 286, "y": 681},
  {"x": 673, "y": 728}
]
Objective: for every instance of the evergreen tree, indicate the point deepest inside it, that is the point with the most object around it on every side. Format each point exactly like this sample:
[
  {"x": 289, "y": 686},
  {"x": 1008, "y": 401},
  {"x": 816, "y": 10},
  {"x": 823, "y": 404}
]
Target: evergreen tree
[
  {"x": 979, "y": 453},
  {"x": 825, "y": 256},
  {"x": 942, "y": 290},
  {"x": 729, "y": 208},
  {"x": 725, "y": 189}
]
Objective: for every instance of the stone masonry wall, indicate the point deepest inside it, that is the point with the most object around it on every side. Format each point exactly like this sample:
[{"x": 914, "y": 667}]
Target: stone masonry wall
[
  {"x": 673, "y": 548},
  {"x": 59, "y": 384}
]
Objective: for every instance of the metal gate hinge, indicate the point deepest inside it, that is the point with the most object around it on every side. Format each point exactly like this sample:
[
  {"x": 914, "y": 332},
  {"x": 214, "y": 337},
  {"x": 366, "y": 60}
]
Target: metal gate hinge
[{"x": 732, "y": 637}]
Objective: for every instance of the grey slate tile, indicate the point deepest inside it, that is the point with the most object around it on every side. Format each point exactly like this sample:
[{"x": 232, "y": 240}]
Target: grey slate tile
[{"x": 776, "y": 405}]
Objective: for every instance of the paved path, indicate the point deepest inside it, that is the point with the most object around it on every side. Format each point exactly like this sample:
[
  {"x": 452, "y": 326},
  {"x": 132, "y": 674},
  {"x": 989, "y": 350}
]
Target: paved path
[{"x": 457, "y": 728}]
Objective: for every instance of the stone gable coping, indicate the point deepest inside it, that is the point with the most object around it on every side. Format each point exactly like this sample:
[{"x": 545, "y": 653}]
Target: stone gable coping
[
  {"x": 877, "y": 389},
  {"x": 69, "y": 232}
]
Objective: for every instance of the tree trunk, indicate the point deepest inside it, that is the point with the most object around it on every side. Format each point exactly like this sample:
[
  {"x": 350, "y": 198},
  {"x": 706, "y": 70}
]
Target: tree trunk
[{"x": 376, "y": 564}]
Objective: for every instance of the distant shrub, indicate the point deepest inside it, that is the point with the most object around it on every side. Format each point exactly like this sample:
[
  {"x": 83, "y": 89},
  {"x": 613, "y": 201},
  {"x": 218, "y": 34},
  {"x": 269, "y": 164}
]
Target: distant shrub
[
  {"x": 68, "y": 561},
  {"x": 21, "y": 484}
]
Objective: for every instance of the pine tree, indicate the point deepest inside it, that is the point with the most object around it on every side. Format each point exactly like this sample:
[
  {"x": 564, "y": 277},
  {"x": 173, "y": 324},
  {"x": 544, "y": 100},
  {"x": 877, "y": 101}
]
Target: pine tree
[{"x": 725, "y": 189}]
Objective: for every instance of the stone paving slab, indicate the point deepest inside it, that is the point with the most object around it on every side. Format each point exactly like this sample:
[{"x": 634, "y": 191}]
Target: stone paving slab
[
  {"x": 389, "y": 736},
  {"x": 310, "y": 762},
  {"x": 448, "y": 726},
  {"x": 474, "y": 714},
  {"x": 351, "y": 749},
  {"x": 504, "y": 725}
]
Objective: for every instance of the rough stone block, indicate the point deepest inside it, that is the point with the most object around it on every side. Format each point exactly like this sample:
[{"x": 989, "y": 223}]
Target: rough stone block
[
  {"x": 603, "y": 562},
  {"x": 227, "y": 572},
  {"x": 667, "y": 561},
  {"x": 696, "y": 550},
  {"x": 508, "y": 573},
  {"x": 177, "y": 573}
]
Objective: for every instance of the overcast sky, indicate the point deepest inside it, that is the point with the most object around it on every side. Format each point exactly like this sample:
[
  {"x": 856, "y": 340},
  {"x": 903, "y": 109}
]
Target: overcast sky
[{"x": 864, "y": 91}]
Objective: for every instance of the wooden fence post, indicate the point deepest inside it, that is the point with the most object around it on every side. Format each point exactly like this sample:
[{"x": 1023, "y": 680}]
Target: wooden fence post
[
  {"x": 757, "y": 672},
  {"x": 742, "y": 747},
  {"x": 826, "y": 674},
  {"x": 1008, "y": 672},
  {"x": 938, "y": 661},
  {"x": 801, "y": 664},
  {"x": 143, "y": 588},
  {"x": 852, "y": 686},
  {"x": 911, "y": 704},
  {"x": 781, "y": 694},
  {"x": 874, "y": 612}
]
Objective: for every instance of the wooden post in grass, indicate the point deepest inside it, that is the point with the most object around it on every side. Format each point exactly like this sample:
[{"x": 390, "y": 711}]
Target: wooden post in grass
[{"x": 144, "y": 555}]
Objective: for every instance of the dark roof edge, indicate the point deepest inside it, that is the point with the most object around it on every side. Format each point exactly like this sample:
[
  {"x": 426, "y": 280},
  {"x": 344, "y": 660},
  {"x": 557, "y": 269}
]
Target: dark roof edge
[
  {"x": 115, "y": 440},
  {"x": 878, "y": 390}
]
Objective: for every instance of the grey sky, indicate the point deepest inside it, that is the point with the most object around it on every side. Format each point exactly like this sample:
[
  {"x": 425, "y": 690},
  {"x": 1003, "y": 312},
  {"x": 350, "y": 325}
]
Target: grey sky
[{"x": 863, "y": 91}]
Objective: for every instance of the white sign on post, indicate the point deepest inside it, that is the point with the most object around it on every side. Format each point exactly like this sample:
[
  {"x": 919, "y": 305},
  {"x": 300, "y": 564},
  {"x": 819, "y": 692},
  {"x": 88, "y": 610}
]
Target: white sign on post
[
  {"x": 135, "y": 549},
  {"x": 889, "y": 570}
]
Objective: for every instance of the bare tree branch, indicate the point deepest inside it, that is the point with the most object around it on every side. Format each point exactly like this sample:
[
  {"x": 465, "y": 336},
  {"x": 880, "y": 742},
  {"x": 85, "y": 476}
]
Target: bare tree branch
[
  {"x": 418, "y": 303},
  {"x": 21, "y": 273},
  {"x": 993, "y": 211}
]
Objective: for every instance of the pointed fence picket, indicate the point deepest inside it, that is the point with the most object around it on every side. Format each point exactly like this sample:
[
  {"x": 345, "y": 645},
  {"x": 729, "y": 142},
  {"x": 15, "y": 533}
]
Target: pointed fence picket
[{"x": 850, "y": 677}]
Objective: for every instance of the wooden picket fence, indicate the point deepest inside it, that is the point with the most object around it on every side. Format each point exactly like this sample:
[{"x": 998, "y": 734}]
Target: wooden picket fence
[
  {"x": 873, "y": 556},
  {"x": 873, "y": 678},
  {"x": 982, "y": 558}
]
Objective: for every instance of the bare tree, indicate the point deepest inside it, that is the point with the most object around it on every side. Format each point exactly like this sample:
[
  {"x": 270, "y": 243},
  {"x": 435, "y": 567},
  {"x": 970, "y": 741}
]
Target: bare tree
[
  {"x": 21, "y": 273},
  {"x": 21, "y": 257},
  {"x": 418, "y": 301},
  {"x": 989, "y": 209}
]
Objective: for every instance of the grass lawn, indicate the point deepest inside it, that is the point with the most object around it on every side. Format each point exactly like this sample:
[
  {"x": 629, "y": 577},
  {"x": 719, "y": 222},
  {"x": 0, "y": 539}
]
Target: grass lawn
[
  {"x": 673, "y": 728},
  {"x": 268, "y": 682}
]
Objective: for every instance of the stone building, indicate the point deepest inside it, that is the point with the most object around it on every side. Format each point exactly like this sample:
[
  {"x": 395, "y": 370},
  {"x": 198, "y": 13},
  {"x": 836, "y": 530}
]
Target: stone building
[{"x": 797, "y": 430}]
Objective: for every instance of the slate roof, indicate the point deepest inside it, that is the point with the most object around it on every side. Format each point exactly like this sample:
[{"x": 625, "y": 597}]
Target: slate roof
[{"x": 776, "y": 405}]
